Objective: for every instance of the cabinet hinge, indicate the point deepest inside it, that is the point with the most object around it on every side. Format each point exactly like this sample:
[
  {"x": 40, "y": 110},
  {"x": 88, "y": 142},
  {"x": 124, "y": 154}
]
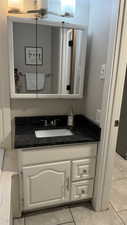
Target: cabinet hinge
[
  {"x": 22, "y": 200},
  {"x": 116, "y": 124},
  {"x": 68, "y": 87},
  {"x": 70, "y": 43}
]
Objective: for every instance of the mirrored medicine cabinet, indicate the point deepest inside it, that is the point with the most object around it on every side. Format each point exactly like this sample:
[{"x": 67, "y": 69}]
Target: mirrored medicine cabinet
[{"x": 46, "y": 59}]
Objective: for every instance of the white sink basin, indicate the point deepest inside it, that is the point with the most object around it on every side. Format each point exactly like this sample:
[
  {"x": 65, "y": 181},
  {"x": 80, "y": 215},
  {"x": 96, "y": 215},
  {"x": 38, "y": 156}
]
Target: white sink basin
[{"x": 53, "y": 133}]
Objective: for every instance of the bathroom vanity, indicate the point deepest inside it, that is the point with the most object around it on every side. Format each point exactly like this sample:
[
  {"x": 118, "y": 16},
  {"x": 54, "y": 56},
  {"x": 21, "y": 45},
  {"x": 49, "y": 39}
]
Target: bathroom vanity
[{"x": 55, "y": 170}]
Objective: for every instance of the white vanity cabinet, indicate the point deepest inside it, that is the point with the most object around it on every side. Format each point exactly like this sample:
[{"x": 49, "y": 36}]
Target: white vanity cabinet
[{"x": 51, "y": 176}]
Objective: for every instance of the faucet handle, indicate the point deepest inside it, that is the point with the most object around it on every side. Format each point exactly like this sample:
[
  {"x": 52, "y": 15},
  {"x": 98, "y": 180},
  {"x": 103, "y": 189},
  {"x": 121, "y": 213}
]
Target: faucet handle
[
  {"x": 46, "y": 123},
  {"x": 55, "y": 121},
  {"x": 52, "y": 122}
]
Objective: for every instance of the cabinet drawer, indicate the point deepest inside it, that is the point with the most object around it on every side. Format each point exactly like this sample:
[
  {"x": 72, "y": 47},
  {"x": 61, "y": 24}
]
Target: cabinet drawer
[
  {"x": 82, "y": 190},
  {"x": 83, "y": 169}
]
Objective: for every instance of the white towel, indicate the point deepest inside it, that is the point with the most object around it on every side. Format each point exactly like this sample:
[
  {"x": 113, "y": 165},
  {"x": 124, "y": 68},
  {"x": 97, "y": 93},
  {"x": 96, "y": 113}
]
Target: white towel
[{"x": 31, "y": 81}]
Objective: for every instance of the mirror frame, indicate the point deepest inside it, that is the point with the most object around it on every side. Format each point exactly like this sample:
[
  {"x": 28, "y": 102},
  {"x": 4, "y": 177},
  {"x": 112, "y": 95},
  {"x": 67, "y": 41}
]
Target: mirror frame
[{"x": 14, "y": 95}]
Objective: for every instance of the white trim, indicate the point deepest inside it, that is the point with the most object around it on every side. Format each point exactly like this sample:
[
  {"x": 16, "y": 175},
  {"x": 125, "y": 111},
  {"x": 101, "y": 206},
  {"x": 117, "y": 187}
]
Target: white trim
[
  {"x": 46, "y": 96},
  {"x": 107, "y": 148},
  {"x": 4, "y": 97},
  {"x": 11, "y": 57},
  {"x": 46, "y": 22},
  {"x": 1, "y": 159}
]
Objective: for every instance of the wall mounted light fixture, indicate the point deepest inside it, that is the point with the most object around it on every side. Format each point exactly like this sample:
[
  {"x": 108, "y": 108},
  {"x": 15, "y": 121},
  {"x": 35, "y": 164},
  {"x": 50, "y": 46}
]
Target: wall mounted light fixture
[
  {"x": 15, "y": 6},
  {"x": 68, "y": 7},
  {"x": 42, "y": 7}
]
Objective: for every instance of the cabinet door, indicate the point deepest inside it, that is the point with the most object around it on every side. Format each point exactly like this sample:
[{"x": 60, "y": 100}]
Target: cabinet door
[
  {"x": 82, "y": 190},
  {"x": 23, "y": 59},
  {"x": 46, "y": 184}
]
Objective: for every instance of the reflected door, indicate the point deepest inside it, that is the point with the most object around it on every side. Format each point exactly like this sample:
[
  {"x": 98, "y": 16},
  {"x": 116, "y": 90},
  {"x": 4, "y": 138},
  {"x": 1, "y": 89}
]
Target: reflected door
[
  {"x": 73, "y": 61},
  {"x": 25, "y": 60},
  {"x": 48, "y": 73}
]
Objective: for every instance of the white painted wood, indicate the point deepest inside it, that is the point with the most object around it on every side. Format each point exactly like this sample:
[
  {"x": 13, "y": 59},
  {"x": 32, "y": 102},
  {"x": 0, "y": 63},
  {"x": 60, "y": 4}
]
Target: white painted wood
[
  {"x": 16, "y": 209},
  {"x": 5, "y": 115},
  {"x": 61, "y": 93},
  {"x": 83, "y": 169},
  {"x": 23, "y": 19},
  {"x": 45, "y": 185},
  {"x": 109, "y": 132},
  {"x": 57, "y": 153},
  {"x": 82, "y": 190},
  {"x": 5, "y": 198},
  {"x": 1, "y": 158},
  {"x": 11, "y": 63},
  {"x": 80, "y": 57},
  {"x": 115, "y": 105},
  {"x": 66, "y": 60},
  {"x": 57, "y": 166}
]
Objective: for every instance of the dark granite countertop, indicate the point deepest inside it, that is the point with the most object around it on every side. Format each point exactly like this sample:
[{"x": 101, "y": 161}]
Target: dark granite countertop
[{"x": 84, "y": 130}]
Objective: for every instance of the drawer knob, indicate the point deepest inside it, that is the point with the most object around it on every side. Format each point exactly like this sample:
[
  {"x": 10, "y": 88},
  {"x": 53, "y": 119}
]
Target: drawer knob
[
  {"x": 85, "y": 171},
  {"x": 83, "y": 191}
]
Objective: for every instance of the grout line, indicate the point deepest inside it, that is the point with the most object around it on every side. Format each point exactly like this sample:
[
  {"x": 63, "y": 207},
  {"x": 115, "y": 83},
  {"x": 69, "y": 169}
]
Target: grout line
[
  {"x": 122, "y": 178},
  {"x": 118, "y": 214},
  {"x": 25, "y": 221},
  {"x": 72, "y": 216},
  {"x": 65, "y": 223},
  {"x": 122, "y": 210}
]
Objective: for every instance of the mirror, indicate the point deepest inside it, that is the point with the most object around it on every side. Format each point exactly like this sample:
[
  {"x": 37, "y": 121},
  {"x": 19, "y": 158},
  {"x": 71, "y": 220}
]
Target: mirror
[
  {"x": 48, "y": 59},
  {"x": 36, "y": 58},
  {"x": 72, "y": 61}
]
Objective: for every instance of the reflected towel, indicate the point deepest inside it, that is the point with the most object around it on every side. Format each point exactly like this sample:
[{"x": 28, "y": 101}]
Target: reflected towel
[{"x": 31, "y": 81}]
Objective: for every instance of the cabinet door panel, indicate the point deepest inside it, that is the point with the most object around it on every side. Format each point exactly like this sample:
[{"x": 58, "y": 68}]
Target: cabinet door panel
[{"x": 46, "y": 184}]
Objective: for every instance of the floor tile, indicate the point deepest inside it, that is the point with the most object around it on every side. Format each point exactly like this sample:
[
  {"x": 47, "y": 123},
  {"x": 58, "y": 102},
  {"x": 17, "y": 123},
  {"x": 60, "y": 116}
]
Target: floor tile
[
  {"x": 19, "y": 221},
  {"x": 51, "y": 217},
  {"x": 85, "y": 215},
  {"x": 68, "y": 224},
  {"x": 123, "y": 216},
  {"x": 120, "y": 168},
  {"x": 119, "y": 194}
]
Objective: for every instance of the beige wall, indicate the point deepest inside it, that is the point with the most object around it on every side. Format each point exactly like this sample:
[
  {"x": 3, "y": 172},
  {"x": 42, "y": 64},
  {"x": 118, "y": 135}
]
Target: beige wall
[
  {"x": 99, "y": 27},
  {"x": 98, "y": 34},
  {"x": 5, "y": 128},
  {"x": 44, "y": 107}
]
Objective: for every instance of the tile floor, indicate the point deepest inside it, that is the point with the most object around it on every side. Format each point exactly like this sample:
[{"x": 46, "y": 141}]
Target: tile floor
[{"x": 83, "y": 214}]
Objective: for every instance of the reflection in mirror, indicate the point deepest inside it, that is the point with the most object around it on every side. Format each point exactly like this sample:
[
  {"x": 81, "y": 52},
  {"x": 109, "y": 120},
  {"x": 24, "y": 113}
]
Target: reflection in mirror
[
  {"x": 72, "y": 61},
  {"x": 49, "y": 38},
  {"x": 48, "y": 59},
  {"x": 36, "y": 58},
  {"x": 24, "y": 37}
]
